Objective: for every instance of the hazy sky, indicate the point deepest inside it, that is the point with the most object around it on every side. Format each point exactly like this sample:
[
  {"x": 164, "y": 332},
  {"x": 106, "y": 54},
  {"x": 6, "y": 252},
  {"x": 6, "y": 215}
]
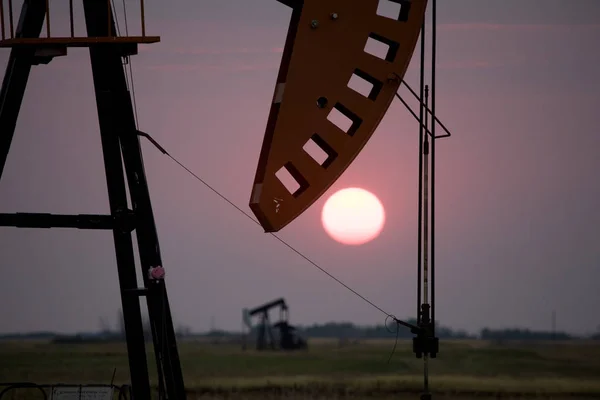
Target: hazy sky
[{"x": 518, "y": 193}]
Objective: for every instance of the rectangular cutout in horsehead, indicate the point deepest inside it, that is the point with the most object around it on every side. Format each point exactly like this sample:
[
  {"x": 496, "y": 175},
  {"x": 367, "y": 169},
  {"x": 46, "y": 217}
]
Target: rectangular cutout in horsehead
[
  {"x": 291, "y": 179},
  {"x": 394, "y": 9},
  {"x": 320, "y": 151},
  {"x": 382, "y": 48},
  {"x": 344, "y": 119},
  {"x": 365, "y": 84}
]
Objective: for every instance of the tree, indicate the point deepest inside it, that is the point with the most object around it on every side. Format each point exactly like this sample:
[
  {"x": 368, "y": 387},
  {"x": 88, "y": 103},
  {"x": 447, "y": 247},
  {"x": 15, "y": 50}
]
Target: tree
[{"x": 105, "y": 327}]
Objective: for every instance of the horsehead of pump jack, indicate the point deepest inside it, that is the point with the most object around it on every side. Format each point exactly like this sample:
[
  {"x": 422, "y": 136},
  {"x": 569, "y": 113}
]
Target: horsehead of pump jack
[{"x": 325, "y": 47}]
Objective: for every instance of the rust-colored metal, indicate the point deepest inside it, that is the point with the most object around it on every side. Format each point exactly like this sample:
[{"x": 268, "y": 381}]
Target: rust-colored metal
[
  {"x": 72, "y": 41},
  {"x": 77, "y": 41},
  {"x": 324, "y": 48}
]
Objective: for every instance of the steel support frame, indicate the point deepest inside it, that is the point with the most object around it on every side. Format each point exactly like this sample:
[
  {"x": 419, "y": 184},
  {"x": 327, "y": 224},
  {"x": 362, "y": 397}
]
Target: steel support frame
[
  {"x": 120, "y": 146},
  {"x": 426, "y": 343}
]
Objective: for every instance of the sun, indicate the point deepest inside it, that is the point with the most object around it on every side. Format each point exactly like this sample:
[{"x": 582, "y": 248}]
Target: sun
[{"x": 353, "y": 216}]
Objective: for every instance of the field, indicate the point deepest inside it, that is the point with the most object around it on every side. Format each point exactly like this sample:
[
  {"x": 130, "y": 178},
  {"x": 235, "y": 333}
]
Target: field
[{"x": 463, "y": 370}]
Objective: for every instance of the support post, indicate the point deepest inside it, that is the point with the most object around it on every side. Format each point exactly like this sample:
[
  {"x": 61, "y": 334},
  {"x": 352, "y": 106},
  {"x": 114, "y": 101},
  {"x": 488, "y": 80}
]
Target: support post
[
  {"x": 120, "y": 147},
  {"x": 426, "y": 344},
  {"x": 17, "y": 74}
]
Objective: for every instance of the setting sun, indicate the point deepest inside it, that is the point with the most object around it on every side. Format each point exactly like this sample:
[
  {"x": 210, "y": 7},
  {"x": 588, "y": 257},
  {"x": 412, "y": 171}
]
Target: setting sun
[{"x": 353, "y": 216}]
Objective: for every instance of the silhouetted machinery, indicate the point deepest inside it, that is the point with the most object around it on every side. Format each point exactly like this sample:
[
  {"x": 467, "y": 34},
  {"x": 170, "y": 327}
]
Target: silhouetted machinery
[
  {"x": 265, "y": 337},
  {"x": 329, "y": 43}
]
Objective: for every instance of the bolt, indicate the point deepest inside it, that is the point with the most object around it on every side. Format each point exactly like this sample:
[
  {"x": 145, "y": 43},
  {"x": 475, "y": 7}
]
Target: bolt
[
  {"x": 314, "y": 24},
  {"x": 322, "y": 102},
  {"x": 334, "y": 16},
  {"x": 393, "y": 78}
]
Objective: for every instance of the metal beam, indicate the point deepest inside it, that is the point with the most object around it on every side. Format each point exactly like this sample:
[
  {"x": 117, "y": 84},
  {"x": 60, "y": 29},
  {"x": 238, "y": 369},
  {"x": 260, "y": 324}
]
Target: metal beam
[
  {"x": 122, "y": 158},
  {"x": 120, "y": 140},
  {"x": 44, "y": 220},
  {"x": 292, "y": 3},
  {"x": 17, "y": 74}
]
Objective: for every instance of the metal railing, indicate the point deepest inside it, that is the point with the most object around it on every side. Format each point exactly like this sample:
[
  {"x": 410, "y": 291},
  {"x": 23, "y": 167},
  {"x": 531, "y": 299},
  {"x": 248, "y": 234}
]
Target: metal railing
[
  {"x": 46, "y": 390},
  {"x": 11, "y": 29}
]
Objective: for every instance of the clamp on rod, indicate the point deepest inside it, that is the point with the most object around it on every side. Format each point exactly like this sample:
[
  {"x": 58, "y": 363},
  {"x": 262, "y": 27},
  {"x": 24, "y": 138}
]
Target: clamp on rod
[
  {"x": 151, "y": 140},
  {"x": 420, "y": 120},
  {"x": 424, "y": 343}
]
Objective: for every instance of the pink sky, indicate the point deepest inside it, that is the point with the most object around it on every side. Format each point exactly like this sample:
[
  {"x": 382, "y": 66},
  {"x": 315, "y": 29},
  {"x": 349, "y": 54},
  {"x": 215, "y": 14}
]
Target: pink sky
[{"x": 517, "y": 194}]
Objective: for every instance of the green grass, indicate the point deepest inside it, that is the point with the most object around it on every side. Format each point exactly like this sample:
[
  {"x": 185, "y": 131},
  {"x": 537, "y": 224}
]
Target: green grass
[{"x": 462, "y": 368}]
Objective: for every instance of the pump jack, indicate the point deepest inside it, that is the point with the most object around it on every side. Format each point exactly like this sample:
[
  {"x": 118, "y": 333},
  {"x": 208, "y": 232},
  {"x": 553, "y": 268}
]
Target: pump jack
[
  {"x": 323, "y": 50},
  {"x": 265, "y": 339}
]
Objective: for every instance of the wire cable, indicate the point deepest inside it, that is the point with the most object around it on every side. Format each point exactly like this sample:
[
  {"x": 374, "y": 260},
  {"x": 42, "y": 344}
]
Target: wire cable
[
  {"x": 113, "y": 12},
  {"x": 395, "y": 341}
]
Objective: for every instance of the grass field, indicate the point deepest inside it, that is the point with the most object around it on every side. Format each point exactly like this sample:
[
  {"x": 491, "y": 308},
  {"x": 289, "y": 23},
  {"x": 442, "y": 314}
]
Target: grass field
[{"x": 464, "y": 369}]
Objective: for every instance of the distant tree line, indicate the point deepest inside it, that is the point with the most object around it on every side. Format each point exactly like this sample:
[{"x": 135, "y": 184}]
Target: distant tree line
[
  {"x": 347, "y": 330},
  {"x": 336, "y": 330},
  {"x": 107, "y": 334},
  {"x": 523, "y": 334}
]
